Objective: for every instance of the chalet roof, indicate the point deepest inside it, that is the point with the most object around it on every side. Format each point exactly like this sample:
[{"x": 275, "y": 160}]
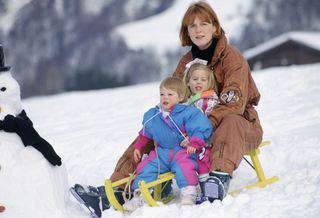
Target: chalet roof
[{"x": 310, "y": 39}]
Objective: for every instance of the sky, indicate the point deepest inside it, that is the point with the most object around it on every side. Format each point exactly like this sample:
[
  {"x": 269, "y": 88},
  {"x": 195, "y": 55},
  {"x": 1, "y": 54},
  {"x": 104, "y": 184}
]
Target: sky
[{"x": 91, "y": 129}]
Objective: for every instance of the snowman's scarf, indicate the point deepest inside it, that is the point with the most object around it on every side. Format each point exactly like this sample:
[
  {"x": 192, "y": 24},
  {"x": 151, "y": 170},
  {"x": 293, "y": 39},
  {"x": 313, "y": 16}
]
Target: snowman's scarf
[{"x": 29, "y": 136}]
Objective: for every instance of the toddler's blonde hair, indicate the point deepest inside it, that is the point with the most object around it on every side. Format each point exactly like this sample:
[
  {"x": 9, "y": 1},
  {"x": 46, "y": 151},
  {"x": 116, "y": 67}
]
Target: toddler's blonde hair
[{"x": 177, "y": 85}]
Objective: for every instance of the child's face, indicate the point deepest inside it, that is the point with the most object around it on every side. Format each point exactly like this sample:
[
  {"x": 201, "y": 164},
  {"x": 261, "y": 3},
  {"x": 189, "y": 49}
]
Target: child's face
[
  {"x": 168, "y": 99},
  {"x": 198, "y": 81}
]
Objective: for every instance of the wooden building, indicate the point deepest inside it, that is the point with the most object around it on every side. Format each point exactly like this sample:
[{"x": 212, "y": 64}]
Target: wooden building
[{"x": 292, "y": 48}]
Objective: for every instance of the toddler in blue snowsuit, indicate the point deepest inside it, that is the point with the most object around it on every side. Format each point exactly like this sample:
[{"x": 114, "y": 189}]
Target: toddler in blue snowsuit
[{"x": 167, "y": 125}]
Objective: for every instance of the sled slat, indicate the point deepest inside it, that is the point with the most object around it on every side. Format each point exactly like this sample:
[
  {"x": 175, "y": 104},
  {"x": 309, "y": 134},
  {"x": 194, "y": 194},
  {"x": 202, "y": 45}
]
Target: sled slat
[
  {"x": 146, "y": 194},
  {"x": 162, "y": 178},
  {"x": 111, "y": 196},
  {"x": 258, "y": 169},
  {"x": 260, "y": 184}
]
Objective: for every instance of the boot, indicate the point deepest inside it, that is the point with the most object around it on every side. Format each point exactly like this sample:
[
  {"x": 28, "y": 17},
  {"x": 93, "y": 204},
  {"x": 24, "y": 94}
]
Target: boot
[
  {"x": 202, "y": 180},
  {"x": 136, "y": 202},
  {"x": 217, "y": 185},
  {"x": 188, "y": 195},
  {"x": 104, "y": 200},
  {"x": 89, "y": 197}
]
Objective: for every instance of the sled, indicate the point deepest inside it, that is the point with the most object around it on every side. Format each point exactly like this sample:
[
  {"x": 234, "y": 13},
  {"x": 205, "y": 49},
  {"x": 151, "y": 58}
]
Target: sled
[{"x": 157, "y": 185}]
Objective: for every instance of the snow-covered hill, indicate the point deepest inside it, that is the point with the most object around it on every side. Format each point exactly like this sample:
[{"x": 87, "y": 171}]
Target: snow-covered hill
[
  {"x": 165, "y": 26},
  {"x": 90, "y": 130}
]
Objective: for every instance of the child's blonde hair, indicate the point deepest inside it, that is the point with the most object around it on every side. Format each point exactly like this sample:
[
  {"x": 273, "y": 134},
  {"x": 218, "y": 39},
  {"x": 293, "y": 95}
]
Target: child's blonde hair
[
  {"x": 177, "y": 85},
  {"x": 212, "y": 83}
]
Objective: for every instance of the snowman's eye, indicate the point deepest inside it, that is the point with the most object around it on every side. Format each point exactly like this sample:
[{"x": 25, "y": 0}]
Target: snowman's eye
[{"x": 3, "y": 89}]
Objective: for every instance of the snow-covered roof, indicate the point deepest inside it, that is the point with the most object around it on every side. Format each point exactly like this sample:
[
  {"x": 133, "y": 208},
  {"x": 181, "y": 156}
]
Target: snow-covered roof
[{"x": 310, "y": 39}]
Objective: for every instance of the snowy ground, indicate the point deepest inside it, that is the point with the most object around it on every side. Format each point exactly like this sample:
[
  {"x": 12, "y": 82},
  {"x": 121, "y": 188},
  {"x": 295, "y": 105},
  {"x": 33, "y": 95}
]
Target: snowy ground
[{"x": 90, "y": 130}]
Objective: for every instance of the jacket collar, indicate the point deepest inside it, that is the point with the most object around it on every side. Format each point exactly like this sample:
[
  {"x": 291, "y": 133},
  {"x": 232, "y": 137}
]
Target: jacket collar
[
  {"x": 217, "y": 54},
  {"x": 205, "y": 54},
  {"x": 221, "y": 46},
  {"x": 203, "y": 95},
  {"x": 176, "y": 109}
]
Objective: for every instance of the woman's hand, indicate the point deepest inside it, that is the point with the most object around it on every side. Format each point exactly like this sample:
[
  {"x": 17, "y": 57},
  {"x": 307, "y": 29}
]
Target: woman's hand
[{"x": 136, "y": 155}]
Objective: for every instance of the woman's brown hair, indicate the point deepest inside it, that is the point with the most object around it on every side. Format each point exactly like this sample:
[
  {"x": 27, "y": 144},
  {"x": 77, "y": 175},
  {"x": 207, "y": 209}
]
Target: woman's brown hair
[{"x": 203, "y": 11}]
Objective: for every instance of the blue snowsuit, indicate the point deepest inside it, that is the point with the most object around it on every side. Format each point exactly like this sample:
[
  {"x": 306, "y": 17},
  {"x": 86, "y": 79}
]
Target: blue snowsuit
[{"x": 167, "y": 133}]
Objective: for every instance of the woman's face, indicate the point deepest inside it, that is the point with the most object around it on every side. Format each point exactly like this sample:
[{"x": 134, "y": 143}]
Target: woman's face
[
  {"x": 200, "y": 33},
  {"x": 198, "y": 81}
]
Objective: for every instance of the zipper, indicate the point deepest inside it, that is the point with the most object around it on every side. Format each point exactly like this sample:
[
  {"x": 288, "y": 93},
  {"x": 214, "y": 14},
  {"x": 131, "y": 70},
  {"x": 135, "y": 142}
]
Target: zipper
[{"x": 221, "y": 150}]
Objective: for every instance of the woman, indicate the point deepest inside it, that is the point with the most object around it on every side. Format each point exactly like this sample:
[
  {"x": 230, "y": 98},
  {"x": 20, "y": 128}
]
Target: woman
[{"x": 235, "y": 121}]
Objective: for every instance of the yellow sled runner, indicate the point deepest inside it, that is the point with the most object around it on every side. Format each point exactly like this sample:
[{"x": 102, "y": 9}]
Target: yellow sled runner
[{"x": 157, "y": 185}]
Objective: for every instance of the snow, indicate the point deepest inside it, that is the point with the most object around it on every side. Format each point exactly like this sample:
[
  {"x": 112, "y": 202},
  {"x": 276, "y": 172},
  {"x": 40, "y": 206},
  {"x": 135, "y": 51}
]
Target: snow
[
  {"x": 95, "y": 6},
  {"x": 7, "y": 19},
  {"x": 311, "y": 39},
  {"x": 90, "y": 130},
  {"x": 131, "y": 7},
  {"x": 141, "y": 34}
]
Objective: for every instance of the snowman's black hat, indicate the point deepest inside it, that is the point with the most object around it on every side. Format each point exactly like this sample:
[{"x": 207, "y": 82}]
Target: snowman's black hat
[{"x": 3, "y": 68}]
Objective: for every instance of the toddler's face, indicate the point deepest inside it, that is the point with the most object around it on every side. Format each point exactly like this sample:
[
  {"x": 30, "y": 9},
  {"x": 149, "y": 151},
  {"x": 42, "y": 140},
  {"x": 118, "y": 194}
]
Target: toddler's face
[
  {"x": 198, "y": 81},
  {"x": 168, "y": 99}
]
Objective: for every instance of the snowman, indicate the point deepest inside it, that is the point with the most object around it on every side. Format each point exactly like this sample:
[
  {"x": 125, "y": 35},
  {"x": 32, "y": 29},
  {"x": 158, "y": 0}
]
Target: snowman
[{"x": 32, "y": 175}]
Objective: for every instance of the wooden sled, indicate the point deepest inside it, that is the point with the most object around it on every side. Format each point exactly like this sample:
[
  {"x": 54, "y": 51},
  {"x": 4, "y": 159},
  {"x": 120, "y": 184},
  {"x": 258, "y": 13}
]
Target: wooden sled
[{"x": 152, "y": 199}]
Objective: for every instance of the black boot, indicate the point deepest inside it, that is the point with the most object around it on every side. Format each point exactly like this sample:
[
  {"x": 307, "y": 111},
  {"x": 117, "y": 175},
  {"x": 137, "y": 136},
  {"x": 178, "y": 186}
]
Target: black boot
[
  {"x": 104, "y": 200},
  {"x": 89, "y": 197},
  {"x": 217, "y": 185},
  {"x": 202, "y": 181}
]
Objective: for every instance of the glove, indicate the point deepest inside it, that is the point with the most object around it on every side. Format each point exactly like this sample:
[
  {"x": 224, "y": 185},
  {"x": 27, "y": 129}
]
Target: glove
[{"x": 10, "y": 124}]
